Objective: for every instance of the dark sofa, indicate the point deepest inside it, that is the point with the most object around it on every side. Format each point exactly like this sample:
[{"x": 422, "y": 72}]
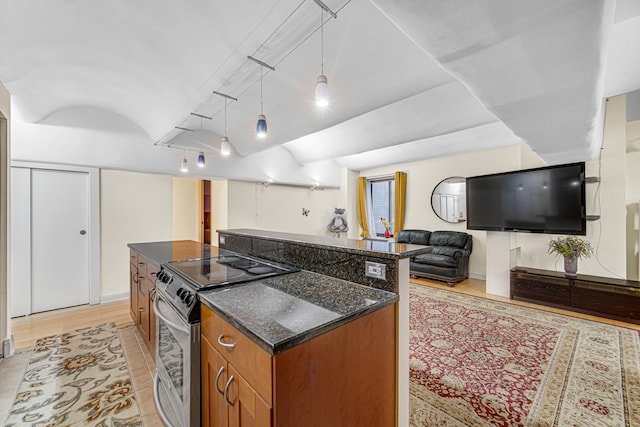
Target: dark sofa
[{"x": 449, "y": 261}]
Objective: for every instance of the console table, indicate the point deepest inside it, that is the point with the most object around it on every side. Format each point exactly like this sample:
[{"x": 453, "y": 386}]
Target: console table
[{"x": 601, "y": 296}]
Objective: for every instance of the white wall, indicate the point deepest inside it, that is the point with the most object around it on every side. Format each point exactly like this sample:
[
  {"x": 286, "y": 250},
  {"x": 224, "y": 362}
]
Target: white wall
[
  {"x": 423, "y": 176},
  {"x": 186, "y": 208},
  {"x": 5, "y": 155},
  {"x": 279, "y": 207},
  {"x": 608, "y": 235},
  {"x": 135, "y": 207}
]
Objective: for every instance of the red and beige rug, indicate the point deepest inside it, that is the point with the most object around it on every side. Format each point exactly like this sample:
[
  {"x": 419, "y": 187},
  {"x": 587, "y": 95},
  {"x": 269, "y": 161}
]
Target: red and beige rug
[
  {"x": 477, "y": 362},
  {"x": 78, "y": 378}
]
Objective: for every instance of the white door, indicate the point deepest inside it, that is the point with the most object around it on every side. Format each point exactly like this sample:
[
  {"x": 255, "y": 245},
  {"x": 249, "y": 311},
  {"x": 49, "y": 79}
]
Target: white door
[{"x": 59, "y": 239}]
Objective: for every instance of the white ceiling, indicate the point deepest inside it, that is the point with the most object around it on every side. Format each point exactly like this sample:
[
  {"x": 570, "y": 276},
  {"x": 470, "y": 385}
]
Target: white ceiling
[{"x": 409, "y": 80}]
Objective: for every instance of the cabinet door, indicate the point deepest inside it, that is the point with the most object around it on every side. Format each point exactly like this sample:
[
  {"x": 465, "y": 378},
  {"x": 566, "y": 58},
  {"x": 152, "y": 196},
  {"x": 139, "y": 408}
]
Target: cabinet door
[
  {"x": 246, "y": 407},
  {"x": 214, "y": 377},
  {"x": 133, "y": 292},
  {"x": 143, "y": 307},
  {"x": 152, "y": 272}
]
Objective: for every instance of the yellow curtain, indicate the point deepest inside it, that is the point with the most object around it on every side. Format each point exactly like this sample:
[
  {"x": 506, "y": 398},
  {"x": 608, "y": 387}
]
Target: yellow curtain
[
  {"x": 362, "y": 206},
  {"x": 399, "y": 202}
]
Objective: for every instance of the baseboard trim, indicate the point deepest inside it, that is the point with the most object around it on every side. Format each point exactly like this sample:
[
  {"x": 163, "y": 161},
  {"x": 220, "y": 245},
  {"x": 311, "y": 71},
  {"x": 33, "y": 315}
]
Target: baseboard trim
[
  {"x": 478, "y": 276},
  {"x": 8, "y": 347},
  {"x": 114, "y": 297}
]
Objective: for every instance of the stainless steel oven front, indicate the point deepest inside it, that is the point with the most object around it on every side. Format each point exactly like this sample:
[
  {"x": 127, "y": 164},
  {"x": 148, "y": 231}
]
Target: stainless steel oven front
[{"x": 177, "y": 382}]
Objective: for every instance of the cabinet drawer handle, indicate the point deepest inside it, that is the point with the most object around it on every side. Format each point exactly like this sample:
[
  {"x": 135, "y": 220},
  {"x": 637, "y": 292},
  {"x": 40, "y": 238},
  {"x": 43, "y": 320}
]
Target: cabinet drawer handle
[
  {"x": 140, "y": 310},
  {"x": 220, "y": 371},
  {"x": 140, "y": 263},
  {"x": 226, "y": 390},
  {"x": 225, "y": 344}
]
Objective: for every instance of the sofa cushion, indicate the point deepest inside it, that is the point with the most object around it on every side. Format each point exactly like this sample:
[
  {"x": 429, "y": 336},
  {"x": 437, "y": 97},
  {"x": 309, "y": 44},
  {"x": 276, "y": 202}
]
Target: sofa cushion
[
  {"x": 448, "y": 238},
  {"x": 445, "y": 250},
  {"x": 414, "y": 237},
  {"x": 435, "y": 259}
]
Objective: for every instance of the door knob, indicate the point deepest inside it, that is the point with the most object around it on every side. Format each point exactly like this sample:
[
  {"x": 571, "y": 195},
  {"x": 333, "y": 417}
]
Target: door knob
[{"x": 83, "y": 232}]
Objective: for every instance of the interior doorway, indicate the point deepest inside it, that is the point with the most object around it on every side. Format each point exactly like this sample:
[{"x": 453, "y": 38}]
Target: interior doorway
[{"x": 205, "y": 202}]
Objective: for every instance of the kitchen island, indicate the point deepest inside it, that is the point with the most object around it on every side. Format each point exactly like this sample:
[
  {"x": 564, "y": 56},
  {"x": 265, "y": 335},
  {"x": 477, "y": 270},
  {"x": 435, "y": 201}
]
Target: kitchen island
[
  {"x": 337, "y": 331},
  {"x": 378, "y": 264}
]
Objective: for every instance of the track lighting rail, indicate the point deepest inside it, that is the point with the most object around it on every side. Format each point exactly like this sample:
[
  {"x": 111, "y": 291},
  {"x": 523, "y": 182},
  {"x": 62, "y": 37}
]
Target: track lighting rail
[
  {"x": 326, "y": 8},
  {"x": 202, "y": 116},
  {"x": 263, "y": 64},
  {"x": 224, "y": 95},
  {"x": 185, "y": 129}
]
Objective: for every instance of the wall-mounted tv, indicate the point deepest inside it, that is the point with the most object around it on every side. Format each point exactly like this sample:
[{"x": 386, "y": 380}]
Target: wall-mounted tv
[{"x": 544, "y": 200}]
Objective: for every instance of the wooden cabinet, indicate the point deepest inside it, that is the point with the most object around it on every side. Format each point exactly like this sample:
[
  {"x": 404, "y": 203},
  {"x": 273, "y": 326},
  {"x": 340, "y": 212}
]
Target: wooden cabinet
[
  {"x": 346, "y": 376},
  {"x": 228, "y": 398},
  {"x": 142, "y": 291},
  {"x": 602, "y": 296}
]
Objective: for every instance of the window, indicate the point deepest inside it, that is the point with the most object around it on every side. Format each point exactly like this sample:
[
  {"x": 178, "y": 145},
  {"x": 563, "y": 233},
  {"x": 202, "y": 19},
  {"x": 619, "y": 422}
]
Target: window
[{"x": 381, "y": 194}]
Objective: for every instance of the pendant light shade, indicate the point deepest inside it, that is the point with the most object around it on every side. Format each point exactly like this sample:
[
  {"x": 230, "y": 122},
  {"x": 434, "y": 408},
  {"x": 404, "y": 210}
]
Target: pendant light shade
[
  {"x": 225, "y": 147},
  {"x": 261, "y": 127},
  {"x": 201, "y": 160},
  {"x": 322, "y": 91},
  {"x": 184, "y": 168}
]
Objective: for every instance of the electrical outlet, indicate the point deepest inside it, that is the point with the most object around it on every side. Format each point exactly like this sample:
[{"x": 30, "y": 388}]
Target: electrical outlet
[
  {"x": 375, "y": 270},
  {"x": 221, "y": 240}
]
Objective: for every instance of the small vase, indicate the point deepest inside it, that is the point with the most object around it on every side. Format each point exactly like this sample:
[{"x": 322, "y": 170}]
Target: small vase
[
  {"x": 387, "y": 233},
  {"x": 570, "y": 266}
]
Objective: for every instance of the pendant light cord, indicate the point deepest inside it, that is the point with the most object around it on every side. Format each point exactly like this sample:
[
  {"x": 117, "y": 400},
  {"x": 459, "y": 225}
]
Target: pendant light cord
[
  {"x": 261, "y": 73},
  {"x": 225, "y": 117},
  {"x": 201, "y": 144},
  {"x": 322, "y": 41}
]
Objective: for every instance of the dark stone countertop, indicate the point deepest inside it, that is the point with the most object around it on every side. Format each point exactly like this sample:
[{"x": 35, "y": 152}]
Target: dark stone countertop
[
  {"x": 382, "y": 249},
  {"x": 161, "y": 252},
  {"x": 281, "y": 312}
]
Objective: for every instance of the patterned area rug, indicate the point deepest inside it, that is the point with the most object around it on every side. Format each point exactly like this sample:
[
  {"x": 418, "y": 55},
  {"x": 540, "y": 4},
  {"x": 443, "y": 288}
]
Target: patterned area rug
[
  {"x": 77, "y": 378},
  {"x": 477, "y": 362}
]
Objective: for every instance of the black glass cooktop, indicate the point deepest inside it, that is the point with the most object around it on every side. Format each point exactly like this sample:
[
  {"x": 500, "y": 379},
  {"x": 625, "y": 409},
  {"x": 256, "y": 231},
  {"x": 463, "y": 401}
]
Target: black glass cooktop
[{"x": 223, "y": 270}]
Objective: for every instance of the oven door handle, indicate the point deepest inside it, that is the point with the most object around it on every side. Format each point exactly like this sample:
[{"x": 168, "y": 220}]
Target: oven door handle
[
  {"x": 156, "y": 398},
  {"x": 156, "y": 309}
]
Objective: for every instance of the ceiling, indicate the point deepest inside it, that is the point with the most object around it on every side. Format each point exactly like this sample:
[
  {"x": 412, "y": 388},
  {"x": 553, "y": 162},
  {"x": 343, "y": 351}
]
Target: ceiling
[{"x": 409, "y": 80}]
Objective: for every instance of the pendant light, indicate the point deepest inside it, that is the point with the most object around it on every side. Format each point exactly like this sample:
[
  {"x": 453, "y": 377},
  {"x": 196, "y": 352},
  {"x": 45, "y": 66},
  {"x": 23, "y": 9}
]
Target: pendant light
[
  {"x": 322, "y": 87},
  {"x": 201, "y": 160},
  {"x": 261, "y": 126},
  {"x": 225, "y": 147},
  {"x": 184, "y": 167}
]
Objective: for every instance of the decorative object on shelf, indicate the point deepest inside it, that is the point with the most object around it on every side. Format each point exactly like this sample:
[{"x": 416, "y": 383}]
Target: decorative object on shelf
[
  {"x": 571, "y": 248},
  {"x": 387, "y": 228},
  {"x": 339, "y": 223},
  {"x": 305, "y": 212}
]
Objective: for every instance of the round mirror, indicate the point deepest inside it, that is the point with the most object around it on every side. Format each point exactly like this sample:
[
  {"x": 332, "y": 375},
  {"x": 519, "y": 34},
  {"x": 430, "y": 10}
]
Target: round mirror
[{"x": 449, "y": 199}]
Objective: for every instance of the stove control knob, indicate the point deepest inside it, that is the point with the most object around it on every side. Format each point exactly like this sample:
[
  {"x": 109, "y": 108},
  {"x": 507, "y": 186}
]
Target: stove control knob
[
  {"x": 181, "y": 293},
  {"x": 189, "y": 297},
  {"x": 161, "y": 275}
]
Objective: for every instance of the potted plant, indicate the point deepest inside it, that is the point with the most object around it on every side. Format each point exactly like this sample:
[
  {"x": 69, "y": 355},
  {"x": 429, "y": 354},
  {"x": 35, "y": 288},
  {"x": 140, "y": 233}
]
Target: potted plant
[{"x": 571, "y": 248}]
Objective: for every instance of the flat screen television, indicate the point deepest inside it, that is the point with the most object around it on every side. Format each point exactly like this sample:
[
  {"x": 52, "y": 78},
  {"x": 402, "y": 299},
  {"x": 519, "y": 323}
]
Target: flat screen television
[{"x": 544, "y": 200}]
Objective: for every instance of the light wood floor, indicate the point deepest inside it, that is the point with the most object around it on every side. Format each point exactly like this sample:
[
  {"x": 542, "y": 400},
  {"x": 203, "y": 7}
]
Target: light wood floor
[{"x": 27, "y": 329}]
